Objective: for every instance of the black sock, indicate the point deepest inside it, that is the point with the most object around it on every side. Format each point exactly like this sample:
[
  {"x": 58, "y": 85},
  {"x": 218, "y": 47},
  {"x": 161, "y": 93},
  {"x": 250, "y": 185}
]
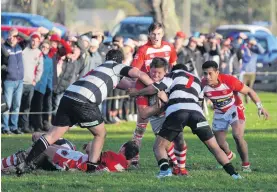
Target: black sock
[
  {"x": 38, "y": 148},
  {"x": 91, "y": 167},
  {"x": 163, "y": 164},
  {"x": 229, "y": 168}
]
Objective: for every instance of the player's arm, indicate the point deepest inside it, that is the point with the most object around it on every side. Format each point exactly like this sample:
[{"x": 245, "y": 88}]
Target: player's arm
[
  {"x": 126, "y": 83},
  {"x": 152, "y": 89},
  {"x": 132, "y": 72},
  {"x": 149, "y": 90},
  {"x": 255, "y": 98},
  {"x": 148, "y": 111},
  {"x": 135, "y": 73}
]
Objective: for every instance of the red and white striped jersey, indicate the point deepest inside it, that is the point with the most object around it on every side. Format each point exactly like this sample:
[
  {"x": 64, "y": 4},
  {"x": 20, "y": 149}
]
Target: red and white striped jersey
[
  {"x": 65, "y": 159},
  {"x": 147, "y": 53},
  {"x": 225, "y": 94},
  {"x": 110, "y": 161}
]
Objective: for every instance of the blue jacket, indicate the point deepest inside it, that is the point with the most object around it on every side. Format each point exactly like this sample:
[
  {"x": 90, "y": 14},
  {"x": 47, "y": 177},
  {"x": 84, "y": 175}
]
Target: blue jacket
[
  {"x": 47, "y": 75},
  {"x": 15, "y": 69},
  {"x": 251, "y": 64}
]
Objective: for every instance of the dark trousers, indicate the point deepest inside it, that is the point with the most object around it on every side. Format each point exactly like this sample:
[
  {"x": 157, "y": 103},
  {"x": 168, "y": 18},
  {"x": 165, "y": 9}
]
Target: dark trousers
[
  {"x": 41, "y": 103},
  {"x": 56, "y": 98},
  {"x": 27, "y": 95}
]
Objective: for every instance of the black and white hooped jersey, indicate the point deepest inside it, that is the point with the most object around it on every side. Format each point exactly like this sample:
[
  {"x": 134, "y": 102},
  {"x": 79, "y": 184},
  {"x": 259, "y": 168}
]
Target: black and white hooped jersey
[
  {"x": 184, "y": 91},
  {"x": 95, "y": 86}
]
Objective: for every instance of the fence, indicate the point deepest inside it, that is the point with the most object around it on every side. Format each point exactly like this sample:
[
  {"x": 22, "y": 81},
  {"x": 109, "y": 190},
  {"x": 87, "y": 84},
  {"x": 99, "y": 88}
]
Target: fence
[{"x": 266, "y": 78}]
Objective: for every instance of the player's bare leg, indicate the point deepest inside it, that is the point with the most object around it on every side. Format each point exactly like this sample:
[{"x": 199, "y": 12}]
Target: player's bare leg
[
  {"x": 221, "y": 157},
  {"x": 160, "y": 150},
  {"x": 55, "y": 133},
  {"x": 221, "y": 140},
  {"x": 99, "y": 133},
  {"x": 219, "y": 154},
  {"x": 242, "y": 148}
]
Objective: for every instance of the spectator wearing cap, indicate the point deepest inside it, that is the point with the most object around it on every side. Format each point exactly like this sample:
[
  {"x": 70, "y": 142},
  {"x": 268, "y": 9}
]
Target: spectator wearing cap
[
  {"x": 33, "y": 68},
  {"x": 86, "y": 41},
  {"x": 42, "y": 99},
  {"x": 12, "y": 77},
  {"x": 86, "y": 55},
  {"x": 95, "y": 57},
  {"x": 128, "y": 51},
  {"x": 58, "y": 46},
  {"x": 99, "y": 36},
  {"x": 178, "y": 44},
  {"x": 249, "y": 67}
]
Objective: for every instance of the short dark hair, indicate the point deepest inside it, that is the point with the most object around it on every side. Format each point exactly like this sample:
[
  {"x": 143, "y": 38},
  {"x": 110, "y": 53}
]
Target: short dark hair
[
  {"x": 131, "y": 149},
  {"x": 210, "y": 64},
  {"x": 115, "y": 55},
  {"x": 117, "y": 38},
  {"x": 179, "y": 66},
  {"x": 155, "y": 25},
  {"x": 159, "y": 62}
]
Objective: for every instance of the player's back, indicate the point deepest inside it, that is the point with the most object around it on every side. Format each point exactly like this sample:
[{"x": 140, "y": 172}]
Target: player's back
[
  {"x": 185, "y": 87},
  {"x": 95, "y": 86},
  {"x": 112, "y": 162},
  {"x": 66, "y": 159}
]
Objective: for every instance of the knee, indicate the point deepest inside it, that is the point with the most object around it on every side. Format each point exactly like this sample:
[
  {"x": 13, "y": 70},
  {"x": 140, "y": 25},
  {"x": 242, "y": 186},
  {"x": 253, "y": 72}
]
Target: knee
[
  {"x": 100, "y": 133},
  {"x": 238, "y": 138}
]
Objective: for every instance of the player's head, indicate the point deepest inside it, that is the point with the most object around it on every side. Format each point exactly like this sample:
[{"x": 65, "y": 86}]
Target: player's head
[
  {"x": 179, "y": 67},
  {"x": 158, "y": 69},
  {"x": 210, "y": 72},
  {"x": 156, "y": 33},
  {"x": 129, "y": 149},
  {"x": 115, "y": 55}
]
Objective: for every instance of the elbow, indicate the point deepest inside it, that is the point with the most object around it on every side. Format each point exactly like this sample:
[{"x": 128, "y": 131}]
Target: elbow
[{"x": 143, "y": 115}]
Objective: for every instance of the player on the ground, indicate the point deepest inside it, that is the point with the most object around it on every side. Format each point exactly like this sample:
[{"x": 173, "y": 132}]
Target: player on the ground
[
  {"x": 182, "y": 110},
  {"x": 79, "y": 105},
  {"x": 63, "y": 158},
  {"x": 9, "y": 163},
  {"x": 223, "y": 90},
  {"x": 155, "y": 47}
]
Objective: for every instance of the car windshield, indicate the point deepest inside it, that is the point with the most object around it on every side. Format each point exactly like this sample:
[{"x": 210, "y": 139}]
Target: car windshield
[
  {"x": 130, "y": 29},
  {"x": 263, "y": 43},
  {"x": 226, "y": 32},
  {"x": 42, "y": 22}
]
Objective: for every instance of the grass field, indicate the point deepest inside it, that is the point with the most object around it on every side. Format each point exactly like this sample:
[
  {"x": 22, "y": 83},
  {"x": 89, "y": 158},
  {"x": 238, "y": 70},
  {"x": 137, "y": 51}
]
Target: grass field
[{"x": 260, "y": 134}]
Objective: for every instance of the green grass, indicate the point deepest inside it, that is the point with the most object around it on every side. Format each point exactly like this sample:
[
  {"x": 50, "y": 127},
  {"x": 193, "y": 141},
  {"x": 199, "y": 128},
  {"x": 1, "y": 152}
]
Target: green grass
[{"x": 261, "y": 136}]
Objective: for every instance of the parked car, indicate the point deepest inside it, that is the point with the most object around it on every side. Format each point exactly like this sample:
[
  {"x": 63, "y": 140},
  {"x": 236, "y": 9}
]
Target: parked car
[
  {"x": 225, "y": 30},
  {"x": 30, "y": 20},
  {"x": 26, "y": 30},
  {"x": 261, "y": 34},
  {"x": 130, "y": 27}
]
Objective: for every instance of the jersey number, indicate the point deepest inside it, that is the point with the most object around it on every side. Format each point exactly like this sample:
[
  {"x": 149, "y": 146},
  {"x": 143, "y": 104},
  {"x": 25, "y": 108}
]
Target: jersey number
[{"x": 188, "y": 85}]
